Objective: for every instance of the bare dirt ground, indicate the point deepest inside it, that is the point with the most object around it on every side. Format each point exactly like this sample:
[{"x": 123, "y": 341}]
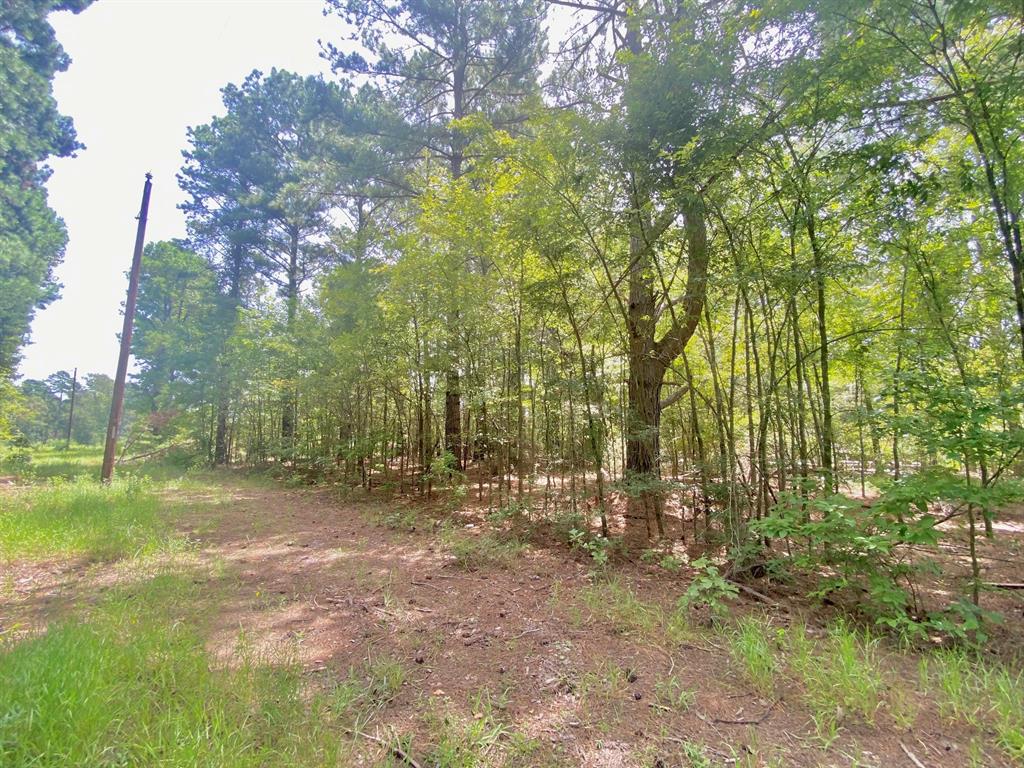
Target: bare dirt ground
[{"x": 302, "y": 571}]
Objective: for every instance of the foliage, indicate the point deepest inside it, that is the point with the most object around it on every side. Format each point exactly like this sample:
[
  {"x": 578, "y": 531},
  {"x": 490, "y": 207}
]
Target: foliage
[
  {"x": 708, "y": 588},
  {"x": 866, "y": 548},
  {"x": 32, "y": 237}
]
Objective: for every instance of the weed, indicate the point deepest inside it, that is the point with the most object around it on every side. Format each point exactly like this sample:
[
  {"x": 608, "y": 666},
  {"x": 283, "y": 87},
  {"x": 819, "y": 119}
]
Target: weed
[
  {"x": 462, "y": 742},
  {"x": 694, "y": 755},
  {"x": 482, "y": 550},
  {"x": 619, "y": 606},
  {"x": 708, "y": 588},
  {"x": 598, "y": 547},
  {"x": 398, "y": 519}
]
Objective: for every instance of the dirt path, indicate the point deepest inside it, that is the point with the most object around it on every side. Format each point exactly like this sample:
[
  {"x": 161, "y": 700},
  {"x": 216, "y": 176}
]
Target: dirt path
[
  {"x": 558, "y": 656},
  {"x": 340, "y": 588}
]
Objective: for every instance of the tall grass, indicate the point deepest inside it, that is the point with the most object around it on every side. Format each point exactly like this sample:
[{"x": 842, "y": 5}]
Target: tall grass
[
  {"x": 82, "y": 517},
  {"x": 53, "y": 460},
  {"x": 135, "y": 686},
  {"x": 751, "y": 646},
  {"x": 979, "y": 693},
  {"x": 840, "y": 676}
]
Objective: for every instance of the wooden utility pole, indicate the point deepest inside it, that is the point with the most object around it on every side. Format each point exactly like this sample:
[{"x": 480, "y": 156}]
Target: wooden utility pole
[
  {"x": 117, "y": 404},
  {"x": 71, "y": 413}
]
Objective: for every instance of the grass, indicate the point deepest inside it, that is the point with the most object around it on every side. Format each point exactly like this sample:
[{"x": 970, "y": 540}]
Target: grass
[
  {"x": 671, "y": 694},
  {"x": 752, "y": 650},
  {"x": 841, "y": 676},
  {"x": 82, "y": 517},
  {"x": 53, "y": 460},
  {"x": 619, "y": 606},
  {"x": 134, "y": 685},
  {"x": 981, "y": 694},
  {"x": 481, "y": 550}
]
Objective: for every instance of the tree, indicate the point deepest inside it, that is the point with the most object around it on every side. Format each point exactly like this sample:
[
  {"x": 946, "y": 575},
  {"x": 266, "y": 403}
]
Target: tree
[
  {"x": 250, "y": 206},
  {"x": 32, "y": 237},
  {"x": 439, "y": 63}
]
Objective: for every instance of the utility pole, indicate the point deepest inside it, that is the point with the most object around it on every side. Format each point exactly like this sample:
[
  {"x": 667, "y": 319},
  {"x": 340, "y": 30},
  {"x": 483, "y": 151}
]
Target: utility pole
[
  {"x": 117, "y": 404},
  {"x": 71, "y": 413}
]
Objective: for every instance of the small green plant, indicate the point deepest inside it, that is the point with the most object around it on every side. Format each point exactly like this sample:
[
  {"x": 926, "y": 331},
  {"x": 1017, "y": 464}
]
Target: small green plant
[
  {"x": 598, "y": 547},
  {"x": 708, "y": 588},
  {"x": 463, "y": 742},
  {"x": 694, "y": 755},
  {"x": 618, "y": 605},
  {"x": 399, "y": 519},
  {"x": 665, "y": 560},
  {"x": 18, "y": 461},
  {"x": 512, "y": 512},
  {"x": 478, "y": 550},
  {"x": 444, "y": 473},
  {"x": 670, "y": 693}
]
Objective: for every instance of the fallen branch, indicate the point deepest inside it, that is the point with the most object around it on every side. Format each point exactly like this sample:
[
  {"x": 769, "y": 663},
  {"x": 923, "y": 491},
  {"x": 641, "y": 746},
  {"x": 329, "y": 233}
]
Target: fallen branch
[
  {"x": 748, "y": 720},
  {"x": 759, "y": 596},
  {"x": 913, "y": 758}
]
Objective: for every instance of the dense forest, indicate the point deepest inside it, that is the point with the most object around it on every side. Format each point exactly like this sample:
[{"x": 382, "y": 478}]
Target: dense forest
[{"x": 736, "y": 272}]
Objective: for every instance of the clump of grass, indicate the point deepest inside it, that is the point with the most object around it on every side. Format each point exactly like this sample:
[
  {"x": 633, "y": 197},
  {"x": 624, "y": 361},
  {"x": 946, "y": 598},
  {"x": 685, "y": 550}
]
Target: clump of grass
[
  {"x": 82, "y": 516},
  {"x": 670, "y": 693},
  {"x": 365, "y": 692},
  {"x": 752, "y": 650},
  {"x": 618, "y": 605},
  {"x": 461, "y": 742},
  {"x": 841, "y": 676},
  {"x": 694, "y": 755},
  {"x": 983, "y": 695},
  {"x": 398, "y": 519},
  {"x": 482, "y": 550},
  {"x": 134, "y": 686}
]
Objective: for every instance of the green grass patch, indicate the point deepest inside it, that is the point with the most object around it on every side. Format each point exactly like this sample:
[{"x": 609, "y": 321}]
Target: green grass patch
[
  {"x": 53, "y": 460},
  {"x": 984, "y": 695},
  {"x": 841, "y": 676},
  {"x": 82, "y": 517},
  {"x": 616, "y": 604},
  {"x": 752, "y": 648},
  {"x": 134, "y": 685}
]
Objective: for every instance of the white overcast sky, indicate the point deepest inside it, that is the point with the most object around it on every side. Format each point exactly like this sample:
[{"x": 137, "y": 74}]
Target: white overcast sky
[{"x": 142, "y": 71}]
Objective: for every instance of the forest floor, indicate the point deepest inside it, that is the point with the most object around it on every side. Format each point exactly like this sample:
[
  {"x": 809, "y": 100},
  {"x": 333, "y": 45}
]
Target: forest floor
[{"x": 450, "y": 645}]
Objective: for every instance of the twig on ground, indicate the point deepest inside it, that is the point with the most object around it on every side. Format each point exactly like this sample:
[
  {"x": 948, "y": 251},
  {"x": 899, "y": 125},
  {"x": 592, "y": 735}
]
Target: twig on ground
[
  {"x": 913, "y": 758},
  {"x": 395, "y": 750},
  {"x": 748, "y": 720},
  {"x": 759, "y": 596},
  {"x": 525, "y": 632}
]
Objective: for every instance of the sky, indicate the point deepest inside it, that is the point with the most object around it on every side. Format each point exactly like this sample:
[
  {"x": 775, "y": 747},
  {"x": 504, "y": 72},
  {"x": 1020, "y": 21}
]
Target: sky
[{"x": 142, "y": 72}]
